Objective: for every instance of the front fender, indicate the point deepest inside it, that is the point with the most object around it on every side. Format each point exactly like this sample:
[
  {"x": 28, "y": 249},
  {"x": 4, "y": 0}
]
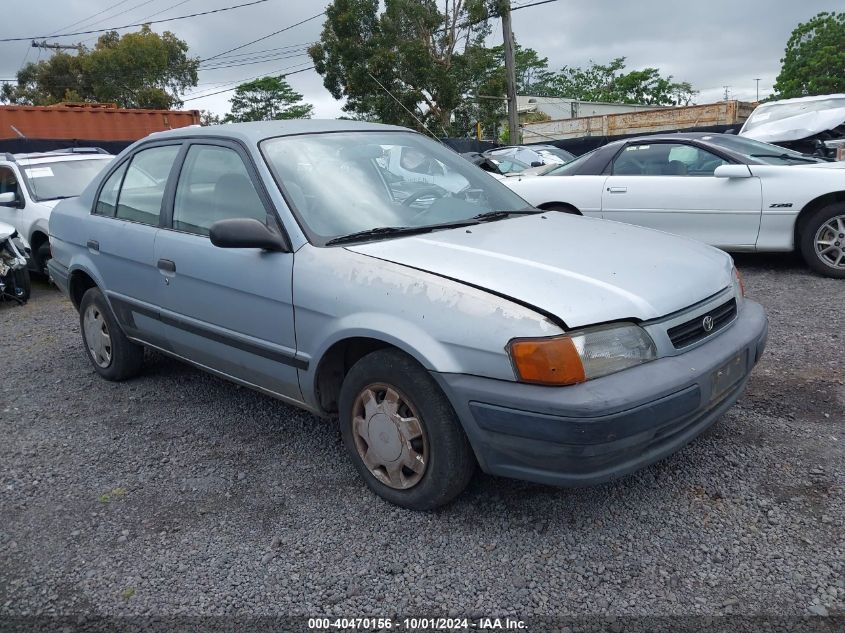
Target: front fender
[{"x": 445, "y": 325}]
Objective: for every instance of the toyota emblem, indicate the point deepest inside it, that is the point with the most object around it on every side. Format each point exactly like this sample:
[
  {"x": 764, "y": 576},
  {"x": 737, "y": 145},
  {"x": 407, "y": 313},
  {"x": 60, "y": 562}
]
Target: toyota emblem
[{"x": 707, "y": 323}]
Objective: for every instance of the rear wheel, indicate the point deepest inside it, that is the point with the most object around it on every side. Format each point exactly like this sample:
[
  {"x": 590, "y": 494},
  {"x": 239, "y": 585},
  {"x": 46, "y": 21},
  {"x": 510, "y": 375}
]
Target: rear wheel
[
  {"x": 822, "y": 241},
  {"x": 402, "y": 433},
  {"x": 113, "y": 355}
]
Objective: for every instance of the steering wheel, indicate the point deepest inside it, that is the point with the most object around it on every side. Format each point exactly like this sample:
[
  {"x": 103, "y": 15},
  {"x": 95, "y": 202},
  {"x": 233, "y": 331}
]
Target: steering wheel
[{"x": 435, "y": 191}]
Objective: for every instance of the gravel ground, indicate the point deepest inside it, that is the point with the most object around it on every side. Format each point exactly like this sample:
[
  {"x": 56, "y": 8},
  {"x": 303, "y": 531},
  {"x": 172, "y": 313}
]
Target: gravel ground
[{"x": 178, "y": 493}]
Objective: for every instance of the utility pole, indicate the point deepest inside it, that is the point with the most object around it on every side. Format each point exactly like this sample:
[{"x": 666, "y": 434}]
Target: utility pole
[
  {"x": 727, "y": 94},
  {"x": 510, "y": 74},
  {"x": 757, "y": 79},
  {"x": 56, "y": 47}
]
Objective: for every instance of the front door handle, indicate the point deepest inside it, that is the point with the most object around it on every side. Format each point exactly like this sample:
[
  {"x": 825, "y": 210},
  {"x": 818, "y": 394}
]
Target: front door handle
[
  {"x": 617, "y": 189},
  {"x": 167, "y": 265},
  {"x": 93, "y": 245}
]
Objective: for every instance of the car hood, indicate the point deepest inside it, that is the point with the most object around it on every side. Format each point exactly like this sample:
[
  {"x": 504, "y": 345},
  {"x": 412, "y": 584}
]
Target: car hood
[
  {"x": 581, "y": 270},
  {"x": 796, "y": 127}
]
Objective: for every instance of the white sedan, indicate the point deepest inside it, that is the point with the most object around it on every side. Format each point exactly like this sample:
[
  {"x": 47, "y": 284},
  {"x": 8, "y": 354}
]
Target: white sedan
[{"x": 731, "y": 192}]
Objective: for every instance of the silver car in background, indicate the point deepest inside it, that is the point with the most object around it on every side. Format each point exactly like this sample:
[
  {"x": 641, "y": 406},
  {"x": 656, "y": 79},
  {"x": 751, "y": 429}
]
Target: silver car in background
[{"x": 446, "y": 328}]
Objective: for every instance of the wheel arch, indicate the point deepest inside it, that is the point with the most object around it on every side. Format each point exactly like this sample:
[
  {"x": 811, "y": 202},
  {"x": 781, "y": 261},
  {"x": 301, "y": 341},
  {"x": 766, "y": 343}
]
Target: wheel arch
[
  {"x": 79, "y": 282},
  {"x": 345, "y": 350},
  {"x": 565, "y": 207},
  {"x": 811, "y": 207}
]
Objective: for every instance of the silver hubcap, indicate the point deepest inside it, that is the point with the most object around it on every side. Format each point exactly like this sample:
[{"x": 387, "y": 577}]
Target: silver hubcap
[
  {"x": 389, "y": 436},
  {"x": 97, "y": 336},
  {"x": 830, "y": 242}
]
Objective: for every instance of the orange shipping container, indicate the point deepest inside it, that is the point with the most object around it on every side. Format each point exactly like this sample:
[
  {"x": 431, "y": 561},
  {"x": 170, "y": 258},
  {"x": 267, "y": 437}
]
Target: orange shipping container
[{"x": 90, "y": 122}]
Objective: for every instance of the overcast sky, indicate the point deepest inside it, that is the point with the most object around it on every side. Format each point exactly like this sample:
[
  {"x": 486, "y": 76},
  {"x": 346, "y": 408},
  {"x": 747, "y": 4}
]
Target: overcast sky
[{"x": 710, "y": 44}]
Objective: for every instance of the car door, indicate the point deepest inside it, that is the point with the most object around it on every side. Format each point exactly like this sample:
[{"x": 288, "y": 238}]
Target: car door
[
  {"x": 672, "y": 187},
  {"x": 228, "y": 309},
  {"x": 121, "y": 234}
]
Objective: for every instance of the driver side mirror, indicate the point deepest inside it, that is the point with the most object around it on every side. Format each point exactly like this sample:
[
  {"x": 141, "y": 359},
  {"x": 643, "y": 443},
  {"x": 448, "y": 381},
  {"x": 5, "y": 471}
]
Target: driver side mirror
[
  {"x": 246, "y": 233},
  {"x": 537, "y": 163},
  {"x": 732, "y": 171},
  {"x": 10, "y": 199}
]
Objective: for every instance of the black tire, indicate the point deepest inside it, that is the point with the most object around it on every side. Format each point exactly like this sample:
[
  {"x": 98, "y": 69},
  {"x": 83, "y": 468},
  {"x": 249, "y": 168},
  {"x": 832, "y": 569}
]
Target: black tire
[
  {"x": 42, "y": 256},
  {"x": 450, "y": 461},
  {"x": 807, "y": 240},
  {"x": 125, "y": 357},
  {"x": 23, "y": 283}
]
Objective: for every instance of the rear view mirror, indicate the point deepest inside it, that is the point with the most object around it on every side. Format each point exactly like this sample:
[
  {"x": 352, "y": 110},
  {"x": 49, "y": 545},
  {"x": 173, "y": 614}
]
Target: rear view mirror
[
  {"x": 8, "y": 199},
  {"x": 732, "y": 171},
  {"x": 245, "y": 233},
  {"x": 537, "y": 163}
]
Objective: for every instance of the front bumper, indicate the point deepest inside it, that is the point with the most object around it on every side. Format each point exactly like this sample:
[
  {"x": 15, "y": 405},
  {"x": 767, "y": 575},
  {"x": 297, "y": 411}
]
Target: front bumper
[{"x": 599, "y": 430}]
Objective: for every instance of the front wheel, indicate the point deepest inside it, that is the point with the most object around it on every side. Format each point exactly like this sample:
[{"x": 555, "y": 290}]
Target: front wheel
[
  {"x": 402, "y": 433},
  {"x": 42, "y": 256},
  {"x": 822, "y": 241}
]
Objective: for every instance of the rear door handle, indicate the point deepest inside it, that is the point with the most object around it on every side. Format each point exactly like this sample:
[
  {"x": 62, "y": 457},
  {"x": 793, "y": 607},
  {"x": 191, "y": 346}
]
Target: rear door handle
[
  {"x": 617, "y": 189},
  {"x": 167, "y": 265},
  {"x": 94, "y": 245}
]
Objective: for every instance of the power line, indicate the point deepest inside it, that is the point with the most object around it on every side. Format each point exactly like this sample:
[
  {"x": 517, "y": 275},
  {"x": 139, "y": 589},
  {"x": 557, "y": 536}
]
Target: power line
[
  {"x": 93, "y": 15},
  {"x": 211, "y": 94},
  {"x": 532, "y": 4},
  {"x": 129, "y": 26},
  {"x": 261, "y": 39},
  {"x": 125, "y": 11},
  {"x": 263, "y": 50},
  {"x": 250, "y": 63},
  {"x": 172, "y": 6}
]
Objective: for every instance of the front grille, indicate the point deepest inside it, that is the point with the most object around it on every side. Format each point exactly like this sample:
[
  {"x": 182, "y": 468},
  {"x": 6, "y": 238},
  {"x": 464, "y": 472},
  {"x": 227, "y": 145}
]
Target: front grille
[{"x": 693, "y": 330}]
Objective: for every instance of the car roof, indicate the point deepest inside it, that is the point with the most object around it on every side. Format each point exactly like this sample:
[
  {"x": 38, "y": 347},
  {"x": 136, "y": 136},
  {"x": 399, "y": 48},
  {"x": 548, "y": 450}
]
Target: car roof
[
  {"x": 257, "y": 131},
  {"x": 674, "y": 136}
]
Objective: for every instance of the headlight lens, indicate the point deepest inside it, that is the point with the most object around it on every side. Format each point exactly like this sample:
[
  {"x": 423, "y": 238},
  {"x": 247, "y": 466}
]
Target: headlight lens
[
  {"x": 581, "y": 355},
  {"x": 739, "y": 286}
]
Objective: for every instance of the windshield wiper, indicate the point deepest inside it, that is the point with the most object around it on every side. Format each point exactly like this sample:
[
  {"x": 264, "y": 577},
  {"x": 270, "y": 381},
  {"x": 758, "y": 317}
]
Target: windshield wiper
[
  {"x": 500, "y": 215},
  {"x": 786, "y": 157},
  {"x": 394, "y": 231}
]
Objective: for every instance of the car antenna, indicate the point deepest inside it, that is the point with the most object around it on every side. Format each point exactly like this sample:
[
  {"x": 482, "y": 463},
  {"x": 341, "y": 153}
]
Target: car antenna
[{"x": 392, "y": 96}]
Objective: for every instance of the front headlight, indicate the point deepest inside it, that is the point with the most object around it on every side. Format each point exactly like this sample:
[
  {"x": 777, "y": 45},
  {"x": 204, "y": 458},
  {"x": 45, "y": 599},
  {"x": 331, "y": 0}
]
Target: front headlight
[{"x": 581, "y": 355}]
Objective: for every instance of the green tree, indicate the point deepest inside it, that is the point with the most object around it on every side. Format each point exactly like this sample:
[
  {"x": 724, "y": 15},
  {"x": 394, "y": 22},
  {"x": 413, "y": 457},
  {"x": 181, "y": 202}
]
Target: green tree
[
  {"x": 207, "y": 117},
  {"x": 608, "y": 82},
  {"x": 267, "y": 99},
  {"x": 136, "y": 70},
  {"x": 814, "y": 60},
  {"x": 411, "y": 62}
]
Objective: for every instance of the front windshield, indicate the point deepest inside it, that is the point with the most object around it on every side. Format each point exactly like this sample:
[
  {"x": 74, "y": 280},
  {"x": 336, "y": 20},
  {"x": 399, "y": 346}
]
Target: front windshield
[
  {"x": 777, "y": 111},
  {"x": 759, "y": 151},
  {"x": 61, "y": 179},
  {"x": 348, "y": 182}
]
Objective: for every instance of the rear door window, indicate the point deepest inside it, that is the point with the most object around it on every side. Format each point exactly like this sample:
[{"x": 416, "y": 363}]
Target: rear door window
[
  {"x": 107, "y": 201},
  {"x": 143, "y": 186}
]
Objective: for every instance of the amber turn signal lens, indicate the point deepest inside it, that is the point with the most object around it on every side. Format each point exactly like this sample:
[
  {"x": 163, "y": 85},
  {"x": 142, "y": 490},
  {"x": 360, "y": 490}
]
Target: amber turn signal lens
[
  {"x": 549, "y": 361},
  {"x": 741, "y": 282}
]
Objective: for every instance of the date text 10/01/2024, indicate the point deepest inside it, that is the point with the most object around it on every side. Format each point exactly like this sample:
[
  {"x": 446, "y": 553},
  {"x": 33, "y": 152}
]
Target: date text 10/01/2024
[{"x": 417, "y": 624}]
